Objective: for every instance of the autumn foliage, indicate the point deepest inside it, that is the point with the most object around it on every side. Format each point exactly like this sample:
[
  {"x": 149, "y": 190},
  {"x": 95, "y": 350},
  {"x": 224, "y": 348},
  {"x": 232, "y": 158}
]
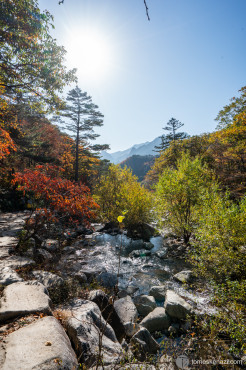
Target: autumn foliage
[{"x": 57, "y": 198}]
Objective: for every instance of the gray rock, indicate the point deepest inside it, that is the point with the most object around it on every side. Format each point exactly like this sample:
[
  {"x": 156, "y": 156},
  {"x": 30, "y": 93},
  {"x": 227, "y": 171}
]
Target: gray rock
[
  {"x": 145, "y": 304},
  {"x": 148, "y": 245},
  {"x": 80, "y": 276},
  {"x": 37, "y": 346},
  {"x": 15, "y": 262},
  {"x": 140, "y": 253},
  {"x": 183, "y": 276},
  {"x": 8, "y": 241},
  {"x": 156, "y": 320},
  {"x": 166, "y": 363},
  {"x": 43, "y": 256},
  {"x": 143, "y": 344},
  {"x": 162, "y": 253},
  {"x": 173, "y": 329},
  {"x": 9, "y": 276},
  {"x": 48, "y": 279},
  {"x": 108, "y": 312},
  {"x": 23, "y": 298},
  {"x": 131, "y": 328},
  {"x": 107, "y": 279},
  {"x": 51, "y": 245},
  {"x": 4, "y": 252},
  {"x": 130, "y": 290},
  {"x": 85, "y": 328},
  {"x": 176, "y": 306},
  {"x": 126, "y": 310},
  {"x": 158, "y": 292},
  {"x": 137, "y": 244}
]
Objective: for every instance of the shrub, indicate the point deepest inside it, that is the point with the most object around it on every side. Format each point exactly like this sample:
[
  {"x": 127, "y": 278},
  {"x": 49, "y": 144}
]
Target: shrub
[
  {"x": 120, "y": 191},
  {"x": 180, "y": 193},
  {"x": 219, "y": 255}
]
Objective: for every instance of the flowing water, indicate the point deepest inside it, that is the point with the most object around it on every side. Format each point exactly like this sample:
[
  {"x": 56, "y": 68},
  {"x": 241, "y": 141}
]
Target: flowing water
[{"x": 142, "y": 272}]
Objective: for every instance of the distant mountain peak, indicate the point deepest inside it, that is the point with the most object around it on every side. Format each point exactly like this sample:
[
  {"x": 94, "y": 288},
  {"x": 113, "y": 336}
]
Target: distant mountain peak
[{"x": 146, "y": 148}]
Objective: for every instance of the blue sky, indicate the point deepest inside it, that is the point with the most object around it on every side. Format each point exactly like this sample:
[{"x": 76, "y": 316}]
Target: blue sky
[{"x": 187, "y": 62}]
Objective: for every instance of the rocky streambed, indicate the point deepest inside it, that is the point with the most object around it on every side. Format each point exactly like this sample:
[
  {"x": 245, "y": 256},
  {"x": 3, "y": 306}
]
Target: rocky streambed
[{"x": 133, "y": 299}]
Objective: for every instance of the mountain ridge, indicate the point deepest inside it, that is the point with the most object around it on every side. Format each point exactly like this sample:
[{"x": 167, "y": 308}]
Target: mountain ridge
[{"x": 143, "y": 149}]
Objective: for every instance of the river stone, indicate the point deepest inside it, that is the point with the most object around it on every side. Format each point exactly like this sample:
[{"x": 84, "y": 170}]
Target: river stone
[
  {"x": 24, "y": 298},
  {"x": 143, "y": 344},
  {"x": 158, "y": 292},
  {"x": 183, "y": 276},
  {"x": 176, "y": 306},
  {"x": 37, "y": 346},
  {"x": 145, "y": 304},
  {"x": 140, "y": 253},
  {"x": 85, "y": 328},
  {"x": 107, "y": 279},
  {"x": 15, "y": 262},
  {"x": 108, "y": 311},
  {"x": 131, "y": 328},
  {"x": 4, "y": 252},
  {"x": 156, "y": 320},
  {"x": 126, "y": 310},
  {"x": 51, "y": 245},
  {"x": 8, "y": 241},
  {"x": 48, "y": 279},
  {"x": 9, "y": 276},
  {"x": 43, "y": 255},
  {"x": 148, "y": 245},
  {"x": 162, "y": 253}
]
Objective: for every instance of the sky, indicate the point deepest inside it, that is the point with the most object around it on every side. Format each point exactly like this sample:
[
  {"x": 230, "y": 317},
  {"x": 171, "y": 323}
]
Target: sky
[{"x": 187, "y": 62}]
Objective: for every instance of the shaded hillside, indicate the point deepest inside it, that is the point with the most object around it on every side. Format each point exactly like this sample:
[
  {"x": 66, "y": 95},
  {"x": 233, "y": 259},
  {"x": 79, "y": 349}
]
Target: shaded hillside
[{"x": 140, "y": 164}]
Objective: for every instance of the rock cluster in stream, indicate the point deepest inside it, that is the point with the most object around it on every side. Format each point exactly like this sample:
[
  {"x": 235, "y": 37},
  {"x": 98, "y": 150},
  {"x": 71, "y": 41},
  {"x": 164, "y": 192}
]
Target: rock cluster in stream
[{"x": 113, "y": 327}]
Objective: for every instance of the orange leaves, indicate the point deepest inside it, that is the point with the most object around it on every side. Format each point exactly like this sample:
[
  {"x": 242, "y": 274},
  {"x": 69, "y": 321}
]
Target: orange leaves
[
  {"x": 6, "y": 144},
  {"x": 58, "y": 197}
]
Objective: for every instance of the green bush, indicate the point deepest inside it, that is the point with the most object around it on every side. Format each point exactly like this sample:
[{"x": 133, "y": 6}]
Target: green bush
[
  {"x": 180, "y": 194},
  {"x": 120, "y": 191},
  {"x": 219, "y": 256}
]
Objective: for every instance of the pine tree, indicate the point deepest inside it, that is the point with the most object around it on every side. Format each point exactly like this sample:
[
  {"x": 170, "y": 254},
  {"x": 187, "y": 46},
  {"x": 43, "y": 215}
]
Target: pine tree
[
  {"x": 83, "y": 117},
  {"x": 172, "y": 126}
]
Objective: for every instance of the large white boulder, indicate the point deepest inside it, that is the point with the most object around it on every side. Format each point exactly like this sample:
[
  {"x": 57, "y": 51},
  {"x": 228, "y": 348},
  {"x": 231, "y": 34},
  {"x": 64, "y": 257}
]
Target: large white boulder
[
  {"x": 23, "y": 298},
  {"x": 156, "y": 320},
  {"x": 176, "y": 306},
  {"x": 91, "y": 335},
  {"x": 43, "y": 345}
]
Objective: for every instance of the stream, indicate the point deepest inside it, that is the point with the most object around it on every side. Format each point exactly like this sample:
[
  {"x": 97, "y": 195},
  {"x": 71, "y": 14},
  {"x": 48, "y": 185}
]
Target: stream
[{"x": 144, "y": 271}]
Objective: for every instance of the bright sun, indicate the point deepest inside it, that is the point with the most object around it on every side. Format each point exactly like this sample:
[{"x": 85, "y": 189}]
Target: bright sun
[{"x": 91, "y": 53}]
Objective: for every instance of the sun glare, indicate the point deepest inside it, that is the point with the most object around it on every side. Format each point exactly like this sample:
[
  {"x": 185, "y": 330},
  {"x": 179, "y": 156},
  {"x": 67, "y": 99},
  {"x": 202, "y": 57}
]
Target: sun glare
[{"x": 91, "y": 53}]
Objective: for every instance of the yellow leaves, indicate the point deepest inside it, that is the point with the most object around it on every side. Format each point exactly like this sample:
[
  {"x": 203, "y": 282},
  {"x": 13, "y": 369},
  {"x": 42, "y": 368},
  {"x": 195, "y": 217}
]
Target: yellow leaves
[{"x": 120, "y": 218}]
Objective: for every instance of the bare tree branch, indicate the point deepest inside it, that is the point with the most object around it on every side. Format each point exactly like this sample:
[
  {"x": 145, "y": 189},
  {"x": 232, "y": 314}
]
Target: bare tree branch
[{"x": 147, "y": 10}]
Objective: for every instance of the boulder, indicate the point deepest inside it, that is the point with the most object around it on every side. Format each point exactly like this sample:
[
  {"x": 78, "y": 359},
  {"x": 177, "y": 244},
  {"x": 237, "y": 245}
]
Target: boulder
[
  {"x": 131, "y": 328},
  {"x": 145, "y": 304},
  {"x": 130, "y": 290},
  {"x": 23, "y": 298},
  {"x": 144, "y": 344},
  {"x": 158, "y": 292},
  {"x": 43, "y": 255},
  {"x": 126, "y": 310},
  {"x": 108, "y": 312},
  {"x": 4, "y": 251},
  {"x": 140, "y": 253},
  {"x": 162, "y": 253},
  {"x": 156, "y": 320},
  {"x": 107, "y": 279},
  {"x": 176, "y": 306},
  {"x": 40, "y": 345},
  {"x": 148, "y": 245},
  {"x": 9, "y": 276},
  {"x": 51, "y": 245},
  {"x": 48, "y": 279},
  {"x": 80, "y": 276},
  {"x": 183, "y": 276},
  {"x": 87, "y": 329},
  {"x": 15, "y": 262}
]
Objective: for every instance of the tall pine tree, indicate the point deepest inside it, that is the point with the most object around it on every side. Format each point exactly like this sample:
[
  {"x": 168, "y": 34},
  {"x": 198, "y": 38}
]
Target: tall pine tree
[
  {"x": 83, "y": 116},
  {"x": 172, "y": 126}
]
